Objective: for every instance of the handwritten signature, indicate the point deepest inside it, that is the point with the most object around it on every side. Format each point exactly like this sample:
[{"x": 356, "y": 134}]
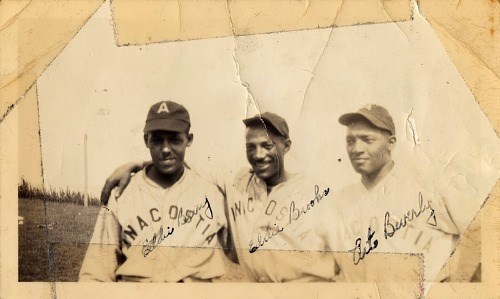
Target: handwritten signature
[
  {"x": 157, "y": 238},
  {"x": 184, "y": 219},
  {"x": 294, "y": 215},
  {"x": 390, "y": 229},
  {"x": 261, "y": 240},
  {"x": 360, "y": 253}
]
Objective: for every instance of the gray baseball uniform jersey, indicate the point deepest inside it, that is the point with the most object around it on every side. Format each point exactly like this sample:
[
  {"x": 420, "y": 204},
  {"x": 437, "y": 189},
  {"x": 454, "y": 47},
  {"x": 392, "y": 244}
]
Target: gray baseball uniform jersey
[{"x": 152, "y": 234}]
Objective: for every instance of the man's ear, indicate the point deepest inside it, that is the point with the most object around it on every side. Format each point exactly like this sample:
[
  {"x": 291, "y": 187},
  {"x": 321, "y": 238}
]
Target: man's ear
[
  {"x": 146, "y": 139},
  {"x": 288, "y": 145},
  {"x": 392, "y": 142},
  {"x": 190, "y": 138}
]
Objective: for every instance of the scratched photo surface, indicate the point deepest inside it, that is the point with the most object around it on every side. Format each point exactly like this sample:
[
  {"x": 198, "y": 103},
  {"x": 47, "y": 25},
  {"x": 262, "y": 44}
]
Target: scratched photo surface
[{"x": 331, "y": 155}]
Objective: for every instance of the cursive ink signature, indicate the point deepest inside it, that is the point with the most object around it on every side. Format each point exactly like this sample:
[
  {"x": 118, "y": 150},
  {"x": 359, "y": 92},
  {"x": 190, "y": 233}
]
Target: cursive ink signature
[
  {"x": 183, "y": 219},
  {"x": 390, "y": 228},
  {"x": 157, "y": 238},
  {"x": 295, "y": 213},
  {"x": 360, "y": 253},
  {"x": 261, "y": 240}
]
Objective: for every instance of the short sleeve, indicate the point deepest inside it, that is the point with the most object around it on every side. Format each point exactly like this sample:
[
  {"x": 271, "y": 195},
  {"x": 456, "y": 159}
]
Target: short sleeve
[{"x": 101, "y": 259}]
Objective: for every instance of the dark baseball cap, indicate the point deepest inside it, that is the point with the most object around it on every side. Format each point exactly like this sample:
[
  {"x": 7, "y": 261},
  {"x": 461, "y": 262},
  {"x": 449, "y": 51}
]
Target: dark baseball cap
[
  {"x": 378, "y": 116},
  {"x": 270, "y": 119},
  {"x": 167, "y": 116}
]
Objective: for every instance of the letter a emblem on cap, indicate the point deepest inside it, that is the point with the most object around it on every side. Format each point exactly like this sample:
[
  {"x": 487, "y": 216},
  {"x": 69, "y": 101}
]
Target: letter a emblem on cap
[{"x": 163, "y": 108}]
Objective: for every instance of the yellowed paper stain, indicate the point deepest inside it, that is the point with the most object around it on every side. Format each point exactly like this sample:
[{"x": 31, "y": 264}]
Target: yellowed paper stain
[
  {"x": 30, "y": 167},
  {"x": 463, "y": 265},
  {"x": 143, "y": 22},
  {"x": 32, "y": 35},
  {"x": 490, "y": 226},
  {"x": 10, "y": 10},
  {"x": 469, "y": 31}
]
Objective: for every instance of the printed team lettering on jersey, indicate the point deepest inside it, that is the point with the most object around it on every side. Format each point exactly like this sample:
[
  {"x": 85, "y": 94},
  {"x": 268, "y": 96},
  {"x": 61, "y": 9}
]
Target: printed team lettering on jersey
[
  {"x": 198, "y": 215},
  {"x": 239, "y": 207},
  {"x": 291, "y": 208}
]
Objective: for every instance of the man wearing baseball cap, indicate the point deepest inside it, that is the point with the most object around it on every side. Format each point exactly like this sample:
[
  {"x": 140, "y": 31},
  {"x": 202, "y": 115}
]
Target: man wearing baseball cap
[
  {"x": 389, "y": 210},
  {"x": 165, "y": 226},
  {"x": 276, "y": 233},
  {"x": 273, "y": 213},
  {"x": 370, "y": 141},
  {"x": 267, "y": 160}
]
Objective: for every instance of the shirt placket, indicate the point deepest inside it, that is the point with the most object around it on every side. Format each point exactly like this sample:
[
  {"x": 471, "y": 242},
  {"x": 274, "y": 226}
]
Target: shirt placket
[
  {"x": 162, "y": 271},
  {"x": 259, "y": 190}
]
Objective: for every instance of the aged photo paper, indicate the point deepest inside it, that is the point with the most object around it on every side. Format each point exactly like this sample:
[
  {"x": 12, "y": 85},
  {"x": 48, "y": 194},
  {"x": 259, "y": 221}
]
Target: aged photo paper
[{"x": 378, "y": 118}]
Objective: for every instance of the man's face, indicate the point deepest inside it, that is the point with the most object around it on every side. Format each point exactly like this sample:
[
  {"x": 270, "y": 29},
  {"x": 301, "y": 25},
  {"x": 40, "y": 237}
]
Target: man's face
[
  {"x": 265, "y": 152},
  {"x": 369, "y": 148},
  {"x": 167, "y": 150}
]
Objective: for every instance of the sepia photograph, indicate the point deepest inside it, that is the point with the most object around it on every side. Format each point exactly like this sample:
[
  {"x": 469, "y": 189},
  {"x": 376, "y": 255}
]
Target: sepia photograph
[{"x": 351, "y": 152}]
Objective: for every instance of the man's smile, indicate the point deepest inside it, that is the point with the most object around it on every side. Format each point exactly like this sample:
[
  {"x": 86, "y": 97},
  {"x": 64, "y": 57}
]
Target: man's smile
[{"x": 262, "y": 165}]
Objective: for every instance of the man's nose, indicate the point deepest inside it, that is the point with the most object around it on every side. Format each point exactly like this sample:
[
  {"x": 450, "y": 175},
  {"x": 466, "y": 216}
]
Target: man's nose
[
  {"x": 166, "y": 148},
  {"x": 260, "y": 153},
  {"x": 357, "y": 147}
]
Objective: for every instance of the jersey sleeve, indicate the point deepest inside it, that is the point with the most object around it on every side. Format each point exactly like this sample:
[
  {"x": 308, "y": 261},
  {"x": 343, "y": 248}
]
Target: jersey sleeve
[
  {"x": 104, "y": 251},
  {"x": 453, "y": 201},
  {"x": 459, "y": 205},
  {"x": 218, "y": 200},
  {"x": 228, "y": 183},
  {"x": 444, "y": 221}
]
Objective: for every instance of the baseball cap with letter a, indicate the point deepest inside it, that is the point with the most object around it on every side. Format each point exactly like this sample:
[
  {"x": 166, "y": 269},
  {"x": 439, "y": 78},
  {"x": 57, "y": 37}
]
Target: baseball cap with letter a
[{"x": 167, "y": 116}]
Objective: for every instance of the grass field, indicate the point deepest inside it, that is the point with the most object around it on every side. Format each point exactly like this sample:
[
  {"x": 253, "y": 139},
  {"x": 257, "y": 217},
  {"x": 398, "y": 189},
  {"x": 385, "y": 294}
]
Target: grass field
[
  {"x": 54, "y": 238},
  {"x": 53, "y": 252}
]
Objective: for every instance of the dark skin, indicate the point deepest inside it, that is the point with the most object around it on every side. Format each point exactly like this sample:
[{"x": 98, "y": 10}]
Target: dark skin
[
  {"x": 117, "y": 179},
  {"x": 265, "y": 153},
  {"x": 167, "y": 149},
  {"x": 263, "y": 146},
  {"x": 163, "y": 144},
  {"x": 369, "y": 150}
]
